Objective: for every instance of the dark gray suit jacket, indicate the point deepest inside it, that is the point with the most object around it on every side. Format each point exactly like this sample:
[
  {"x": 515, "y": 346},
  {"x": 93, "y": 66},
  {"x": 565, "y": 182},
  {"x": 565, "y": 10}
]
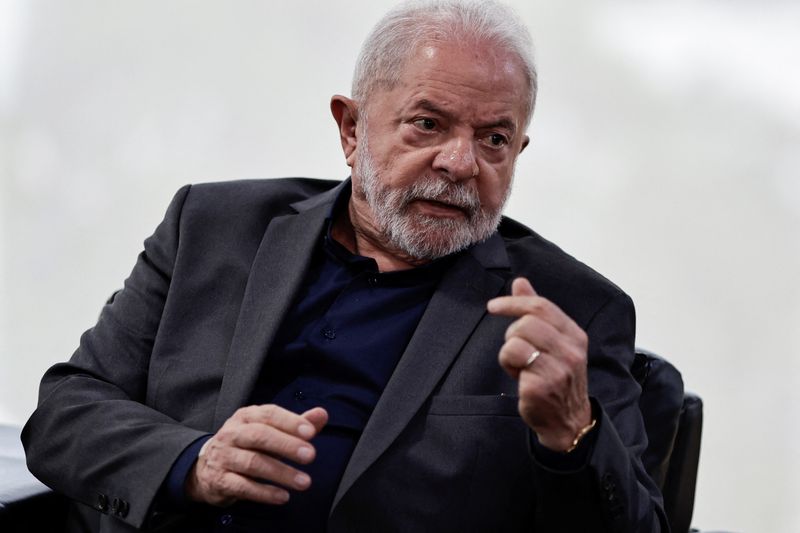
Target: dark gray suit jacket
[{"x": 178, "y": 350}]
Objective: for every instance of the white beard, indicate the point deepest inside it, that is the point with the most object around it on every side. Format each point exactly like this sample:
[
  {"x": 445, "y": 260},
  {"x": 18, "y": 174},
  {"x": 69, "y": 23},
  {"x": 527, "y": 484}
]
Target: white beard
[{"x": 418, "y": 235}]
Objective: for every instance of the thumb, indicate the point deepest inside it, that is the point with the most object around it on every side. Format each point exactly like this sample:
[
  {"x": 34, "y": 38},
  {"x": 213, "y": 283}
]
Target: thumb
[{"x": 522, "y": 287}]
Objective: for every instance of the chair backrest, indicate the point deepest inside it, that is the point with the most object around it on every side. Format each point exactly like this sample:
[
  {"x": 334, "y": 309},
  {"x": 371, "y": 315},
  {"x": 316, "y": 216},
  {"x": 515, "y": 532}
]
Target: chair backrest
[{"x": 673, "y": 420}]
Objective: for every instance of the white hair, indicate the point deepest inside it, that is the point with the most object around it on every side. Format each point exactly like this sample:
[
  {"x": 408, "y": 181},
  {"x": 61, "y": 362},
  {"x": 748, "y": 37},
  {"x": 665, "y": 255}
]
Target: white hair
[{"x": 396, "y": 37}]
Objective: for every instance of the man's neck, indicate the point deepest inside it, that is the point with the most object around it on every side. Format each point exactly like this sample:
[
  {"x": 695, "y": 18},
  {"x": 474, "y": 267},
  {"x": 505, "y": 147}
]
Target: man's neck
[{"x": 359, "y": 236}]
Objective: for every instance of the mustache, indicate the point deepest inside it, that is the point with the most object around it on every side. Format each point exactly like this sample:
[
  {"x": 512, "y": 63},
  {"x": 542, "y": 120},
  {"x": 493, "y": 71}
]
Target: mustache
[{"x": 444, "y": 191}]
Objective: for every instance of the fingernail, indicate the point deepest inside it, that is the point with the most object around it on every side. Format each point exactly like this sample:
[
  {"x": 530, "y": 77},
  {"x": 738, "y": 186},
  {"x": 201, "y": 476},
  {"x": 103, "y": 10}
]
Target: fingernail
[
  {"x": 305, "y": 453},
  {"x": 282, "y": 496},
  {"x": 302, "y": 480},
  {"x": 306, "y": 430}
]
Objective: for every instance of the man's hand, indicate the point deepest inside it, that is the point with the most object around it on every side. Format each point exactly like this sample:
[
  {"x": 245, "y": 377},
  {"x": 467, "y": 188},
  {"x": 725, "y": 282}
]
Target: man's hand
[
  {"x": 250, "y": 449},
  {"x": 553, "y": 396}
]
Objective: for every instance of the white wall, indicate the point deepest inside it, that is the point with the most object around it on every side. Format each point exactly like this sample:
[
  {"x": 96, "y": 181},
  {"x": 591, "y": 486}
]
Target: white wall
[{"x": 665, "y": 154}]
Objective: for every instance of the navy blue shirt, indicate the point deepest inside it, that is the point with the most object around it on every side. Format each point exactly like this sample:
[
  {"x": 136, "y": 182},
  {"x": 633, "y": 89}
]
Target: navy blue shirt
[{"x": 337, "y": 348}]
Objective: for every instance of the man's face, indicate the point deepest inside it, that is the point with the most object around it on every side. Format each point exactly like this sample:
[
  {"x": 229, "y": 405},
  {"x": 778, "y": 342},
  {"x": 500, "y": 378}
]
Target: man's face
[{"x": 435, "y": 155}]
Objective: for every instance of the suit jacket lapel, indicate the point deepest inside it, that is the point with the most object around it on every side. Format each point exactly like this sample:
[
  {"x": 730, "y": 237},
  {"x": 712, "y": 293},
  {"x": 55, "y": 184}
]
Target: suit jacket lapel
[
  {"x": 452, "y": 314},
  {"x": 275, "y": 275}
]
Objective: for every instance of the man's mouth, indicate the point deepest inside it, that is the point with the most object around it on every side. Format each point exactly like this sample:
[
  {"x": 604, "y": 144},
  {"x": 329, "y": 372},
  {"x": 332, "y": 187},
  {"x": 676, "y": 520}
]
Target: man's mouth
[{"x": 428, "y": 206}]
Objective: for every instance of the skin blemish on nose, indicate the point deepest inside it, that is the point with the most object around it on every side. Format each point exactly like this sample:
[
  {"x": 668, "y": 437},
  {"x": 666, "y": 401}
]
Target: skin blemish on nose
[{"x": 463, "y": 157}]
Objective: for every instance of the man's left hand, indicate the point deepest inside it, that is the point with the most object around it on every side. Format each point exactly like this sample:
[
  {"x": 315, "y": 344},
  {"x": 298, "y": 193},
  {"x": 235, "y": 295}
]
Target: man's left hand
[{"x": 553, "y": 395}]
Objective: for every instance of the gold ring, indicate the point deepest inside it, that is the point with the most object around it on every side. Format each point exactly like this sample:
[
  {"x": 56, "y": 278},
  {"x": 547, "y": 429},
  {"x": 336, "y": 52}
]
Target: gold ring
[{"x": 532, "y": 357}]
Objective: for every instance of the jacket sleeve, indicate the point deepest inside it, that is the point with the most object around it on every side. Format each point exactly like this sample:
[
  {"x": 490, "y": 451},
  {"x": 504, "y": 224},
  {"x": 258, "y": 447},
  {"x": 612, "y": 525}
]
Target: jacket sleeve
[
  {"x": 611, "y": 490},
  {"x": 92, "y": 437}
]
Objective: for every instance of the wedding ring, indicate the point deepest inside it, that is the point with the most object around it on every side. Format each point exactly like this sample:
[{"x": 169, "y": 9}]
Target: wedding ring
[{"x": 532, "y": 357}]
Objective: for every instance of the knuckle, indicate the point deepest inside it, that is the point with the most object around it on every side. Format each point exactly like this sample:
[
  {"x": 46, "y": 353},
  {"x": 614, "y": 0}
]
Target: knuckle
[
  {"x": 270, "y": 413},
  {"x": 558, "y": 372},
  {"x": 528, "y": 391},
  {"x": 562, "y": 377},
  {"x": 505, "y": 352},
  {"x": 226, "y": 435},
  {"x": 218, "y": 456},
  {"x": 269, "y": 470},
  {"x": 520, "y": 327},
  {"x": 242, "y": 413},
  {"x": 266, "y": 469},
  {"x": 251, "y": 463},
  {"x": 275, "y": 442},
  {"x": 527, "y": 322},
  {"x": 575, "y": 359},
  {"x": 511, "y": 330},
  {"x": 286, "y": 447},
  {"x": 224, "y": 484},
  {"x": 261, "y": 437},
  {"x": 537, "y": 305},
  {"x": 213, "y": 459}
]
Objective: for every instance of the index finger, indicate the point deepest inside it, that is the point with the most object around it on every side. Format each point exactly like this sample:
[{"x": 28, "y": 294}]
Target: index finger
[
  {"x": 280, "y": 418},
  {"x": 515, "y": 306},
  {"x": 521, "y": 291},
  {"x": 519, "y": 306}
]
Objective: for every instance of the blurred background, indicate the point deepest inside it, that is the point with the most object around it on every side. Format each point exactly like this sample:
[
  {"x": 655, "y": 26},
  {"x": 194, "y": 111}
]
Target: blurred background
[{"x": 665, "y": 153}]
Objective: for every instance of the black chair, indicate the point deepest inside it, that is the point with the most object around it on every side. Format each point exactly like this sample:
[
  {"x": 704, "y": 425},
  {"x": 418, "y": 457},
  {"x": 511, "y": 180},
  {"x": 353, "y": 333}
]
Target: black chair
[{"x": 673, "y": 421}]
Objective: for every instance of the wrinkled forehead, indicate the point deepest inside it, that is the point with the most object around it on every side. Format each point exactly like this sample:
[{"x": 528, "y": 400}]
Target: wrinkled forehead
[{"x": 474, "y": 55}]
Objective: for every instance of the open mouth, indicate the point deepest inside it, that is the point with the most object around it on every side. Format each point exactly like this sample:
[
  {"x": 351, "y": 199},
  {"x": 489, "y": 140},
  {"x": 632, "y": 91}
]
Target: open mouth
[{"x": 440, "y": 209}]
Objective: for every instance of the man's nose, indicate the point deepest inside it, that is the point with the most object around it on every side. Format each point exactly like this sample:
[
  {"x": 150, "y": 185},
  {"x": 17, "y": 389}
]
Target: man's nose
[{"x": 457, "y": 159}]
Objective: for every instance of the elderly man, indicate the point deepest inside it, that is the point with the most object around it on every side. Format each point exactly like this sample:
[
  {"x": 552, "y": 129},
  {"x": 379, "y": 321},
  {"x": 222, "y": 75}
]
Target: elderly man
[{"x": 381, "y": 354}]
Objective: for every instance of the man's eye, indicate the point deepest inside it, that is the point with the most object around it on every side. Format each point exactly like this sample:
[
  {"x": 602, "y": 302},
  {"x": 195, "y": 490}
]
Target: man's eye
[
  {"x": 495, "y": 139},
  {"x": 425, "y": 123}
]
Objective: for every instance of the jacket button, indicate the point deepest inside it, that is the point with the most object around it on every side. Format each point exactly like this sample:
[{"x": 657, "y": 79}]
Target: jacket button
[
  {"x": 102, "y": 503},
  {"x": 124, "y": 507},
  {"x": 226, "y": 520},
  {"x": 114, "y": 506}
]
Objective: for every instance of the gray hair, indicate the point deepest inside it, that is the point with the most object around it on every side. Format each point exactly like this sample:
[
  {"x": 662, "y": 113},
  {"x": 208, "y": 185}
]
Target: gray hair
[{"x": 395, "y": 38}]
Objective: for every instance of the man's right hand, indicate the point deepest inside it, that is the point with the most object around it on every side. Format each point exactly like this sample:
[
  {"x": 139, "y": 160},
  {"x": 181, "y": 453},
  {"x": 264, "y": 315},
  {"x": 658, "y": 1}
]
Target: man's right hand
[{"x": 244, "y": 460}]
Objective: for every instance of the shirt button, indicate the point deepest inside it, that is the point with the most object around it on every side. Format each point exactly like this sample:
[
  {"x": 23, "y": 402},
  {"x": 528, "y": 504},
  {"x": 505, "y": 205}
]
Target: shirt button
[
  {"x": 226, "y": 520},
  {"x": 300, "y": 395},
  {"x": 372, "y": 280},
  {"x": 329, "y": 333}
]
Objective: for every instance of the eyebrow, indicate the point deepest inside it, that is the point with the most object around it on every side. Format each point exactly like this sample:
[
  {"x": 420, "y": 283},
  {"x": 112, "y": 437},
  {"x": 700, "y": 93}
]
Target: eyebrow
[{"x": 502, "y": 122}]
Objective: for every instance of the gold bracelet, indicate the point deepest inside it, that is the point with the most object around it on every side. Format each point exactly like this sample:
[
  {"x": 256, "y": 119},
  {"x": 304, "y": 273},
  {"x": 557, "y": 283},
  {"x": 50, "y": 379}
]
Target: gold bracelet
[{"x": 582, "y": 433}]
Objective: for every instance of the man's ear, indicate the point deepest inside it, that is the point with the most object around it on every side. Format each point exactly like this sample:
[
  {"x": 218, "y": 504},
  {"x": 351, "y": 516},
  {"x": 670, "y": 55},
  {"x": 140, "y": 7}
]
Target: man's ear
[
  {"x": 525, "y": 141},
  {"x": 345, "y": 113}
]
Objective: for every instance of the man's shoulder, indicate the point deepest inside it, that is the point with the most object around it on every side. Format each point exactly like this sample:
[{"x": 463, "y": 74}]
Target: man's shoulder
[
  {"x": 260, "y": 199},
  {"x": 287, "y": 190},
  {"x": 552, "y": 271},
  {"x": 238, "y": 209}
]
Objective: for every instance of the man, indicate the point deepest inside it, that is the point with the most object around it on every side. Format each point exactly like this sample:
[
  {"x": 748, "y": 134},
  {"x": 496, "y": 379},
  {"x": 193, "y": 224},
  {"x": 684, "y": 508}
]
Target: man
[{"x": 373, "y": 355}]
